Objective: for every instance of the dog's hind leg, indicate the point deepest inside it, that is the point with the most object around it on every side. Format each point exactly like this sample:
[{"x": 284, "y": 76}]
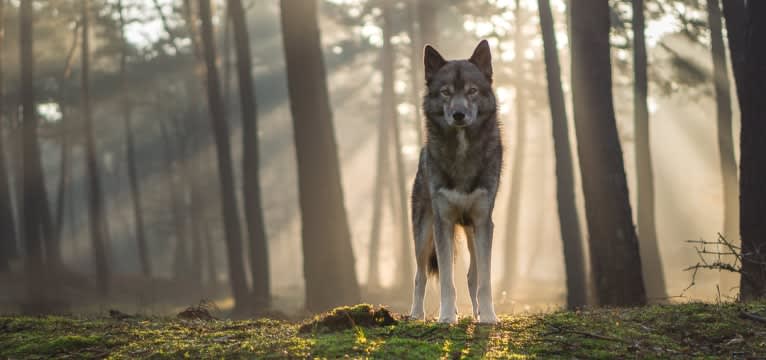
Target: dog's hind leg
[
  {"x": 469, "y": 234},
  {"x": 422, "y": 226}
]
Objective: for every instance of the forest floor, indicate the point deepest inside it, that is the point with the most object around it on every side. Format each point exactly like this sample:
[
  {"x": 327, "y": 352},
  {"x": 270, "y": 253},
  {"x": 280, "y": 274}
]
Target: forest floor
[{"x": 692, "y": 330}]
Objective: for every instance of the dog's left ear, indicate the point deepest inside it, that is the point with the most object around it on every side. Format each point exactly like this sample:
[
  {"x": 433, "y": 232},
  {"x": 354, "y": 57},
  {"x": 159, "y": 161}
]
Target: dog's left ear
[{"x": 482, "y": 58}]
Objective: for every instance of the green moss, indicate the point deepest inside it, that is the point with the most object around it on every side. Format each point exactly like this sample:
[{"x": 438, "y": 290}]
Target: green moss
[{"x": 694, "y": 330}]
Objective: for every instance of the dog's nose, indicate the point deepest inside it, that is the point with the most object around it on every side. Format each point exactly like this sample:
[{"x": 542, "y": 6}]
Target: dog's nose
[{"x": 458, "y": 116}]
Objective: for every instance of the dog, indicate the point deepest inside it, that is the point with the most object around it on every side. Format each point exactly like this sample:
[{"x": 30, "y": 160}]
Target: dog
[{"x": 457, "y": 179}]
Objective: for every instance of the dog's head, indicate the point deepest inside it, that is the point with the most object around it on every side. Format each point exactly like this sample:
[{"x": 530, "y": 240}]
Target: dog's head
[{"x": 459, "y": 91}]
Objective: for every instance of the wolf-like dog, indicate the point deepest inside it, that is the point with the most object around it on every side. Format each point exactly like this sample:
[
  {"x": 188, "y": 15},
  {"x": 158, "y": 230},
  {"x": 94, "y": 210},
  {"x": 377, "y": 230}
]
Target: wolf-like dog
[{"x": 457, "y": 179}]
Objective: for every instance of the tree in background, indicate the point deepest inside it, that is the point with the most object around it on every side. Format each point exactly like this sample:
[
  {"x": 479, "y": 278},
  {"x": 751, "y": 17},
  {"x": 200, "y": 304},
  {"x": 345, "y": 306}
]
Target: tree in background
[
  {"x": 256, "y": 228},
  {"x": 517, "y": 163},
  {"x": 614, "y": 252},
  {"x": 753, "y": 163},
  {"x": 229, "y": 211},
  {"x": 328, "y": 261},
  {"x": 734, "y": 13},
  {"x": 95, "y": 200},
  {"x": 569, "y": 223},
  {"x": 130, "y": 152},
  {"x": 723, "y": 115},
  {"x": 34, "y": 263},
  {"x": 7, "y": 225},
  {"x": 651, "y": 260}
]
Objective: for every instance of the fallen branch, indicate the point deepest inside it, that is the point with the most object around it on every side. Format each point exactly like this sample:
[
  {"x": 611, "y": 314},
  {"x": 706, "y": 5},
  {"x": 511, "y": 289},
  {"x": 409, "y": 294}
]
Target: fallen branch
[{"x": 752, "y": 316}]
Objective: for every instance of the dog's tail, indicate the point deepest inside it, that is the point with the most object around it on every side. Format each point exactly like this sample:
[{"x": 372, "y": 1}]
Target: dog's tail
[{"x": 433, "y": 264}]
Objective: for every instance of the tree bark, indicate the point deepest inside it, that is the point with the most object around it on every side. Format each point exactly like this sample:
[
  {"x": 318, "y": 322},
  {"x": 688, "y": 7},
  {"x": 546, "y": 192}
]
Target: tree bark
[
  {"x": 651, "y": 260},
  {"x": 7, "y": 225},
  {"x": 328, "y": 268},
  {"x": 256, "y": 228},
  {"x": 416, "y": 48},
  {"x": 95, "y": 200},
  {"x": 130, "y": 152},
  {"x": 391, "y": 116},
  {"x": 32, "y": 242},
  {"x": 734, "y": 13},
  {"x": 723, "y": 114},
  {"x": 614, "y": 252},
  {"x": 753, "y": 163},
  {"x": 517, "y": 163},
  {"x": 569, "y": 223},
  {"x": 229, "y": 210}
]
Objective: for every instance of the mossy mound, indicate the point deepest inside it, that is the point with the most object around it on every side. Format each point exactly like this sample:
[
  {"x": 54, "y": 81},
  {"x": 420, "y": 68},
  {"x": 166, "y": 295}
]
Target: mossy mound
[{"x": 348, "y": 317}]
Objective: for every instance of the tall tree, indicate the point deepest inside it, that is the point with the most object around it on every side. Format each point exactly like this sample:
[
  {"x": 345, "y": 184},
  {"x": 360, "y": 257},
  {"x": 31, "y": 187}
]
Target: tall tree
[
  {"x": 734, "y": 13},
  {"x": 723, "y": 115},
  {"x": 569, "y": 223},
  {"x": 95, "y": 200},
  {"x": 651, "y": 261},
  {"x": 328, "y": 262},
  {"x": 427, "y": 11},
  {"x": 30, "y": 151},
  {"x": 130, "y": 152},
  {"x": 391, "y": 116},
  {"x": 7, "y": 226},
  {"x": 614, "y": 253},
  {"x": 753, "y": 163},
  {"x": 416, "y": 46},
  {"x": 256, "y": 228},
  {"x": 517, "y": 163},
  {"x": 229, "y": 211}
]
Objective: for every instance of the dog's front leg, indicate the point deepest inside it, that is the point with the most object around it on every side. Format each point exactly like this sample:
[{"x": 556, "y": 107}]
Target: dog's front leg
[
  {"x": 483, "y": 248},
  {"x": 444, "y": 229}
]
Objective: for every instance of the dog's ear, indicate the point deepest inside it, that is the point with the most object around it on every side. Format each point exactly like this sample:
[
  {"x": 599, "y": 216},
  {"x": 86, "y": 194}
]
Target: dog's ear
[
  {"x": 433, "y": 61},
  {"x": 482, "y": 58}
]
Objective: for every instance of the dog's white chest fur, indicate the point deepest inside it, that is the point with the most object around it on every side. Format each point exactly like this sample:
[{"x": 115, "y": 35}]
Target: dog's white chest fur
[{"x": 460, "y": 202}]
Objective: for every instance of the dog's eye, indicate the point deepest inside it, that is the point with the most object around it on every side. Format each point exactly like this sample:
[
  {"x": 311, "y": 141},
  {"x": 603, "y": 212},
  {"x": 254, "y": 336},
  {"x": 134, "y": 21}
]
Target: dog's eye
[
  {"x": 446, "y": 92},
  {"x": 472, "y": 91}
]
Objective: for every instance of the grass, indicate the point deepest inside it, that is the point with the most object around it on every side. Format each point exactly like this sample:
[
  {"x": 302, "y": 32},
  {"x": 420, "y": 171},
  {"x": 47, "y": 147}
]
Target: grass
[{"x": 693, "y": 330}]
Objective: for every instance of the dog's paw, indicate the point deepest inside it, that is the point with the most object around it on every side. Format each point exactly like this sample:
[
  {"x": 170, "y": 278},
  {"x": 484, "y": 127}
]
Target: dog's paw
[
  {"x": 448, "y": 318},
  {"x": 489, "y": 318},
  {"x": 416, "y": 316}
]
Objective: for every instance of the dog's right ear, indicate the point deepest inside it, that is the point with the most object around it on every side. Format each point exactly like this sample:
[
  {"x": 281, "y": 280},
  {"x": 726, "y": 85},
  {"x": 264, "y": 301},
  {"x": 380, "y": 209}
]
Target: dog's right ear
[{"x": 433, "y": 61}]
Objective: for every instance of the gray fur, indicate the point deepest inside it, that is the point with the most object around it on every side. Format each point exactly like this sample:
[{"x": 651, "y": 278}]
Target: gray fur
[{"x": 457, "y": 179}]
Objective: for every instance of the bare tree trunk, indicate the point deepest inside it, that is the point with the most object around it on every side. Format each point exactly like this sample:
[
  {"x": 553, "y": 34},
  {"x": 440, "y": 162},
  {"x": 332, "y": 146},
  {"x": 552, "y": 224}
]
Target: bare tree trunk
[
  {"x": 615, "y": 257},
  {"x": 381, "y": 182},
  {"x": 517, "y": 164},
  {"x": 64, "y": 175},
  {"x": 95, "y": 200},
  {"x": 725, "y": 137},
  {"x": 181, "y": 266},
  {"x": 734, "y": 13},
  {"x": 651, "y": 260},
  {"x": 390, "y": 116},
  {"x": 7, "y": 226},
  {"x": 753, "y": 164},
  {"x": 416, "y": 47},
  {"x": 229, "y": 210},
  {"x": 427, "y": 11},
  {"x": 569, "y": 223},
  {"x": 33, "y": 245},
  {"x": 130, "y": 152},
  {"x": 256, "y": 229},
  {"x": 328, "y": 267}
]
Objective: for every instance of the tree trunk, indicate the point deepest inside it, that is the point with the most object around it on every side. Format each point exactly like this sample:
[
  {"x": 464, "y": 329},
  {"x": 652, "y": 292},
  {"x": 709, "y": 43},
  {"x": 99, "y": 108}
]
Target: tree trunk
[
  {"x": 181, "y": 266},
  {"x": 725, "y": 137},
  {"x": 569, "y": 223},
  {"x": 256, "y": 229},
  {"x": 390, "y": 116},
  {"x": 95, "y": 201},
  {"x": 517, "y": 163},
  {"x": 130, "y": 152},
  {"x": 7, "y": 226},
  {"x": 328, "y": 267},
  {"x": 427, "y": 11},
  {"x": 229, "y": 210},
  {"x": 33, "y": 245},
  {"x": 416, "y": 47},
  {"x": 382, "y": 180},
  {"x": 651, "y": 260},
  {"x": 64, "y": 175},
  {"x": 614, "y": 252},
  {"x": 753, "y": 163},
  {"x": 734, "y": 13}
]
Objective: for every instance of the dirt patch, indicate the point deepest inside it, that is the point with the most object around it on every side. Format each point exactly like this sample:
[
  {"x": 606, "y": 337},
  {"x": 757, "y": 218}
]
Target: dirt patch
[{"x": 348, "y": 317}]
